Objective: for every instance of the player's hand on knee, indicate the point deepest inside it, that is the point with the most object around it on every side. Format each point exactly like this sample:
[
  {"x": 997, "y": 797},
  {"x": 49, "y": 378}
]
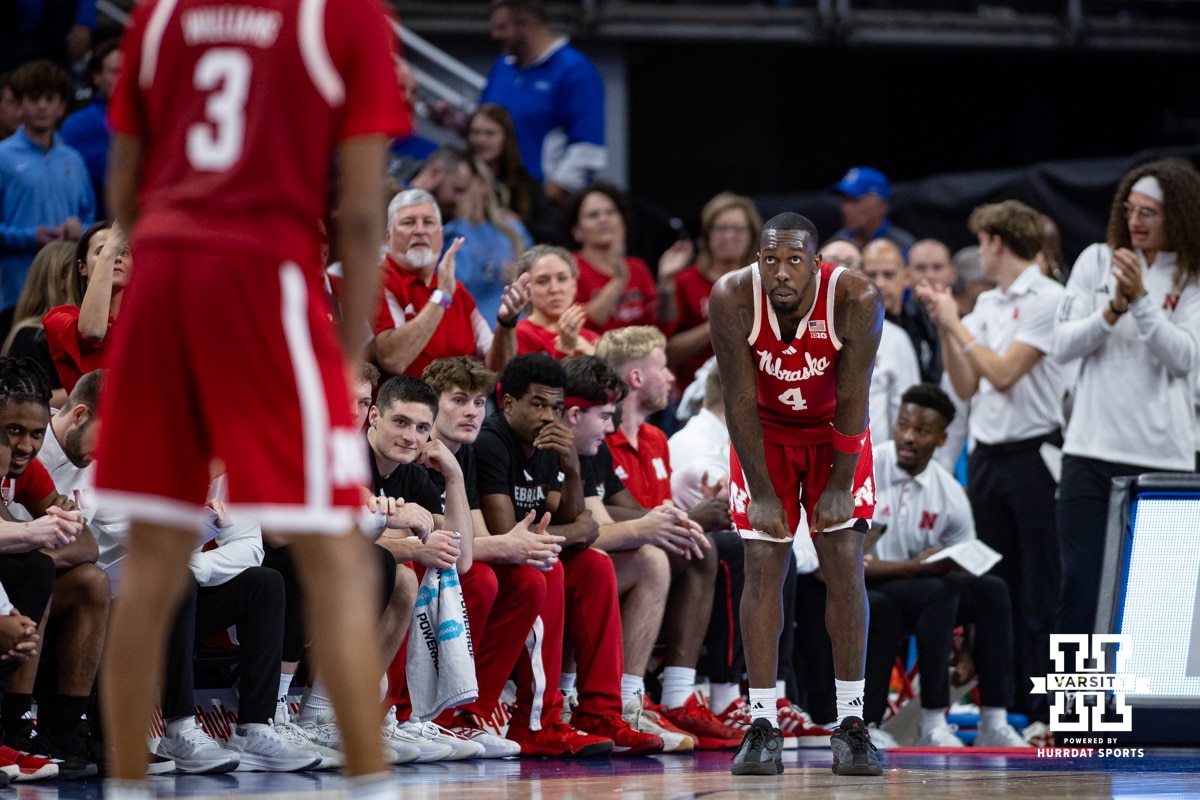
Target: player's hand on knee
[
  {"x": 767, "y": 516},
  {"x": 834, "y": 506}
]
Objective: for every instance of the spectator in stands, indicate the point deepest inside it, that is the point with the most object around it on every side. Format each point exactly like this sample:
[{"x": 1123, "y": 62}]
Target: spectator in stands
[
  {"x": 865, "y": 194},
  {"x": 446, "y": 174},
  {"x": 46, "y": 287},
  {"x": 996, "y": 359},
  {"x": 78, "y": 336},
  {"x": 920, "y": 509},
  {"x": 59, "y": 30},
  {"x": 728, "y": 239},
  {"x": 642, "y": 462},
  {"x": 491, "y": 137},
  {"x": 969, "y": 282},
  {"x": 424, "y": 312},
  {"x": 883, "y": 263},
  {"x": 492, "y": 241},
  {"x": 842, "y": 253},
  {"x": 556, "y": 324},
  {"x": 45, "y": 194},
  {"x": 79, "y": 614},
  {"x": 929, "y": 260},
  {"x": 87, "y": 130},
  {"x": 10, "y": 107},
  {"x": 1132, "y": 316},
  {"x": 526, "y": 461},
  {"x": 516, "y": 559},
  {"x": 555, "y": 97},
  {"x": 617, "y": 289}
]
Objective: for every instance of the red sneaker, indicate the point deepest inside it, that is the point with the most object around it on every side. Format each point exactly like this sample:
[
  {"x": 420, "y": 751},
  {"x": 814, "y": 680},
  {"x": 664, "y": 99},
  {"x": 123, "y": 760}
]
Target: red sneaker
[
  {"x": 798, "y": 725},
  {"x": 29, "y": 768},
  {"x": 737, "y": 715},
  {"x": 627, "y": 741},
  {"x": 696, "y": 719},
  {"x": 559, "y": 741}
]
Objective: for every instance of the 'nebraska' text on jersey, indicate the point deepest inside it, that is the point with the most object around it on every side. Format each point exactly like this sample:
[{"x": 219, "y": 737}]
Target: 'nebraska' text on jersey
[{"x": 797, "y": 379}]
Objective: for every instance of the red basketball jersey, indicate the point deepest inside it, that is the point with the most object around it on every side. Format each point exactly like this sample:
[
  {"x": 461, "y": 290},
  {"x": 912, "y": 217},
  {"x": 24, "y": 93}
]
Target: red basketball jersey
[
  {"x": 797, "y": 379},
  {"x": 225, "y": 151}
]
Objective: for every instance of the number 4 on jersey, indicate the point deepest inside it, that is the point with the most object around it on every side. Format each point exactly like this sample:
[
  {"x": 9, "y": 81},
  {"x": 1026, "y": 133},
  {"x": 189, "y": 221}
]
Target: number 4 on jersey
[{"x": 793, "y": 398}]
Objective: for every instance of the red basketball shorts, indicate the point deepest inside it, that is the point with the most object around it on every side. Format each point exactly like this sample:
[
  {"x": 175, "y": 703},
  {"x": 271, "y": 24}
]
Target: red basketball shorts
[
  {"x": 229, "y": 357},
  {"x": 799, "y": 474}
]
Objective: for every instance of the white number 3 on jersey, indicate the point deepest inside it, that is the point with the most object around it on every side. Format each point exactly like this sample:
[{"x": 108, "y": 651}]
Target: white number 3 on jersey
[
  {"x": 793, "y": 398},
  {"x": 216, "y": 143}
]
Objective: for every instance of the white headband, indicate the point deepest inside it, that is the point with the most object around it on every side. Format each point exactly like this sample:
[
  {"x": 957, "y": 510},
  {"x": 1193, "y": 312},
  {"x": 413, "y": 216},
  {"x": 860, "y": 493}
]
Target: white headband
[{"x": 1148, "y": 185}]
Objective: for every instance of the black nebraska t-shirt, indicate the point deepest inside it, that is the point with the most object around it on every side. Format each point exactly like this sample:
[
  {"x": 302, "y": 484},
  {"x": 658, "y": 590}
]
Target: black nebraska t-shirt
[
  {"x": 412, "y": 483},
  {"x": 599, "y": 477},
  {"x": 501, "y": 467},
  {"x": 466, "y": 462}
]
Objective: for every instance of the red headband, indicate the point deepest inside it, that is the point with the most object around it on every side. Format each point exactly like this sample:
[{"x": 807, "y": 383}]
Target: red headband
[{"x": 574, "y": 401}]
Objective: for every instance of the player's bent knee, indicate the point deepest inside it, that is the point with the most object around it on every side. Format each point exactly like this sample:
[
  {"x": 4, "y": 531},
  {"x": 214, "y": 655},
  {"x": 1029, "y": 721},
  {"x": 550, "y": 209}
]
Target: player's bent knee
[{"x": 526, "y": 582}]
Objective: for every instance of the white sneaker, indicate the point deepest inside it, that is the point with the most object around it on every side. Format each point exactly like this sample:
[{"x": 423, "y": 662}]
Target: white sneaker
[
  {"x": 400, "y": 740},
  {"x": 1004, "y": 736},
  {"x": 644, "y": 720},
  {"x": 322, "y": 733},
  {"x": 460, "y": 748},
  {"x": 261, "y": 749},
  {"x": 940, "y": 736},
  {"x": 1039, "y": 735},
  {"x": 881, "y": 738},
  {"x": 331, "y": 758},
  {"x": 493, "y": 746},
  {"x": 194, "y": 751}
]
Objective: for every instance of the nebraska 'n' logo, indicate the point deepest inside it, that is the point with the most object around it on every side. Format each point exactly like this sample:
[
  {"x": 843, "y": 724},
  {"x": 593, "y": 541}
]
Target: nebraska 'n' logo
[
  {"x": 865, "y": 496},
  {"x": 1170, "y": 301},
  {"x": 928, "y": 520}
]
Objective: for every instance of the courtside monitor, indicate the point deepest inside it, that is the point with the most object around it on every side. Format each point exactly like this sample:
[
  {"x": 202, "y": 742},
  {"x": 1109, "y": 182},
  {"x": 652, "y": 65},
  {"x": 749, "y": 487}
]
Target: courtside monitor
[{"x": 1150, "y": 594}]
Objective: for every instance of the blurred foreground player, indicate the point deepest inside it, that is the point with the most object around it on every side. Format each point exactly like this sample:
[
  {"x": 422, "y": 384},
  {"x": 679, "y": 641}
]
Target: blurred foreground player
[
  {"x": 795, "y": 341},
  {"x": 226, "y": 320}
]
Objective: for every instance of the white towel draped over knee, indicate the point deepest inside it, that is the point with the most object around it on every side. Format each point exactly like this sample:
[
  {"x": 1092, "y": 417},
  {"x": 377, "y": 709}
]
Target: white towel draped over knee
[{"x": 441, "y": 659}]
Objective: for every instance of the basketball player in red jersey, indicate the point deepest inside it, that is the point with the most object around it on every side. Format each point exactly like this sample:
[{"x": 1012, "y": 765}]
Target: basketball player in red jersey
[
  {"x": 795, "y": 343},
  {"x": 227, "y": 120}
]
